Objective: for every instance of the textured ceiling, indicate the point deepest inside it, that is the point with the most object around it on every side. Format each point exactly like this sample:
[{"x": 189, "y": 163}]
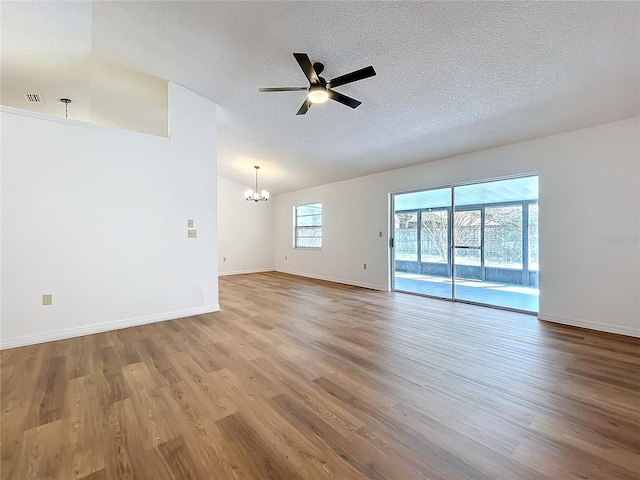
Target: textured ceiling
[{"x": 452, "y": 77}]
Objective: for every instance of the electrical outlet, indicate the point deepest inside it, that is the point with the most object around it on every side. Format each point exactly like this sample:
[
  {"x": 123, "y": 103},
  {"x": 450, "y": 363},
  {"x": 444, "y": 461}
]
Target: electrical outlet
[
  {"x": 285, "y": 257},
  {"x": 365, "y": 266},
  {"x": 224, "y": 259},
  {"x": 192, "y": 234},
  {"x": 47, "y": 299},
  {"x": 380, "y": 233},
  {"x": 190, "y": 223}
]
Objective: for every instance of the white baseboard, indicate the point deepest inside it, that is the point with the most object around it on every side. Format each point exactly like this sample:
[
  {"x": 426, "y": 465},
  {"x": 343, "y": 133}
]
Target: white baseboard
[
  {"x": 336, "y": 280},
  {"x": 242, "y": 272},
  {"x": 103, "y": 327},
  {"x": 603, "y": 327}
]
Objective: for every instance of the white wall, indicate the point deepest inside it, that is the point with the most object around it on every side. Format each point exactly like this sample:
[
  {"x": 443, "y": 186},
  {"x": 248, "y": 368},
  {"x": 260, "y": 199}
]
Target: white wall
[
  {"x": 98, "y": 218},
  {"x": 589, "y": 183},
  {"x": 245, "y": 231}
]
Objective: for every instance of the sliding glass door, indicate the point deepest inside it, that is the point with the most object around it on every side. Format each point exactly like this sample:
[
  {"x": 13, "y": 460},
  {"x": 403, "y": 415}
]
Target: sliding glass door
[
  {"x": 475, "y": 243},
  {"x": 422, "y": 226}
]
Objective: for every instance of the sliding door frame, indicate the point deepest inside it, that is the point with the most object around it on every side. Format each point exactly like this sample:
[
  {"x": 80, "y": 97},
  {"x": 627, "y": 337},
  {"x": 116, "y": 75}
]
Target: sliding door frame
[{"x": 451, "y": 233}]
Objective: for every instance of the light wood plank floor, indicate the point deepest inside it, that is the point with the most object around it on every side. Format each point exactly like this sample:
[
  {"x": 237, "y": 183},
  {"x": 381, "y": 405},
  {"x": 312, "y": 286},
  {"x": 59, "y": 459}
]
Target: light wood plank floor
[{"x": 298, "y": 378}]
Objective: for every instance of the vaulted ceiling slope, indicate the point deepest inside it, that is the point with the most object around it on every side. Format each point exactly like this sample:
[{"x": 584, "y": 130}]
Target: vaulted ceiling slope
[{"x": 452, "y": 77}]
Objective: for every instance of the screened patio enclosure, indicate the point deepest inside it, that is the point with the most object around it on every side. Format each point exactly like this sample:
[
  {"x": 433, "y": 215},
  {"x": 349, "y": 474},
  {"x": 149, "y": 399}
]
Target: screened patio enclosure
[{"x": 475, "y": 243}]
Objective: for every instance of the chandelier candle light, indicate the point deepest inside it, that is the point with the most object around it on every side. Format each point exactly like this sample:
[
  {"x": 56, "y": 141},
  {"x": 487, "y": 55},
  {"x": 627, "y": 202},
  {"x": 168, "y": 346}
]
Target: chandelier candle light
[{"x": 253, "y": 195}]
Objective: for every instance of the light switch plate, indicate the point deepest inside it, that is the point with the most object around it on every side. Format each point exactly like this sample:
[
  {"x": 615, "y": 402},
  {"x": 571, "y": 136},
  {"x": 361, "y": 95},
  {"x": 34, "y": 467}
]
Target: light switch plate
[{"x": 190, "y": 223}]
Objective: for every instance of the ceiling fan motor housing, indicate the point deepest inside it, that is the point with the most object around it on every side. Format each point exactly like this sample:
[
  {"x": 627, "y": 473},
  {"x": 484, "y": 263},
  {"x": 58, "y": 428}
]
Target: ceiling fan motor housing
[{"x": 318, "y": 67}]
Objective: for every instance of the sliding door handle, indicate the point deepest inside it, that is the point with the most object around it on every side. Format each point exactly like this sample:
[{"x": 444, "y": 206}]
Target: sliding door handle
[{"x": 467, "y": 247}]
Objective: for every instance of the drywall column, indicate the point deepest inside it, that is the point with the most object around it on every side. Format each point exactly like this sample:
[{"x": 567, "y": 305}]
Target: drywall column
[{"x": 97, "y": 217}]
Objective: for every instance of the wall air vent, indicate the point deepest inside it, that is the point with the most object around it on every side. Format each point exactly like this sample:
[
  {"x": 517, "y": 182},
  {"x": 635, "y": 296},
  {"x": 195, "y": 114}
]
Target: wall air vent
[{"x": 33, "y": 98}]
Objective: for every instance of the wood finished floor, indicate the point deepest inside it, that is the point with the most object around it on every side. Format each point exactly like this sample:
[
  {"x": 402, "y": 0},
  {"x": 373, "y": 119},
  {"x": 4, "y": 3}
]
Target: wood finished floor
[{"x": 298, "y": 378}]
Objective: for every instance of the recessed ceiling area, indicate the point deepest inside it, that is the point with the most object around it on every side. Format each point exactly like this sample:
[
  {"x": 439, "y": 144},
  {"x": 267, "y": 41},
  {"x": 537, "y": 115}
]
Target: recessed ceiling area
[{"x": 452, "y": 77}]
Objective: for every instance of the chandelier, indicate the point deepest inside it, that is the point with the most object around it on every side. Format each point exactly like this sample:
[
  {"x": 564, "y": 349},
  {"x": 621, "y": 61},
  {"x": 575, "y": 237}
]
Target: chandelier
[{"x": 253, "y": 195}]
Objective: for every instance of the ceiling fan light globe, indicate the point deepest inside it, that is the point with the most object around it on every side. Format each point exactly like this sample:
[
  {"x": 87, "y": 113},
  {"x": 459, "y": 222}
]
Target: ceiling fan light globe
[{"x": 318, "y": 95}]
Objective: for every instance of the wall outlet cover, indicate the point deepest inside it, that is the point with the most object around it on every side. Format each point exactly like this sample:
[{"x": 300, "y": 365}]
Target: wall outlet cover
[
  {"x": 47, "y": 299},
  {"x": 192, "y": 234},
  {"x": 190, "y": 223}
]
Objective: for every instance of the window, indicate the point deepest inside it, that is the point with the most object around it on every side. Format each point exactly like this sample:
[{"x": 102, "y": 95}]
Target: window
[
  {"x": 406, "y": 236},
  {"x": 503, "y": 236},
  {"x": 434, "y": 237},
  {"x": 308, "y": 226}
]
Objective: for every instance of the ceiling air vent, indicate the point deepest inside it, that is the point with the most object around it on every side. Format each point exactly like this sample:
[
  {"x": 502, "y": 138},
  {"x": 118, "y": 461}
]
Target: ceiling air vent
[{"x": 33, "y": 98}]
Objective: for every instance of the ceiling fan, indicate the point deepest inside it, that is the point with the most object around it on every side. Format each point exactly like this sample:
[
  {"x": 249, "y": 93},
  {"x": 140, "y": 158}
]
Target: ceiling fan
[{"x": 319, "y": 89}]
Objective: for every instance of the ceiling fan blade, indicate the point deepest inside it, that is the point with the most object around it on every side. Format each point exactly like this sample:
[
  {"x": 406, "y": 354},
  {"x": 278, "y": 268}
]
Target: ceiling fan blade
[
  {"x": 352, "y": 77},
  {"x": 348, "y": 101},
  {"x": 283, "y": 89},
  {"x": 307, "y": 68},
  {"x": 305, "y": 106}
]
